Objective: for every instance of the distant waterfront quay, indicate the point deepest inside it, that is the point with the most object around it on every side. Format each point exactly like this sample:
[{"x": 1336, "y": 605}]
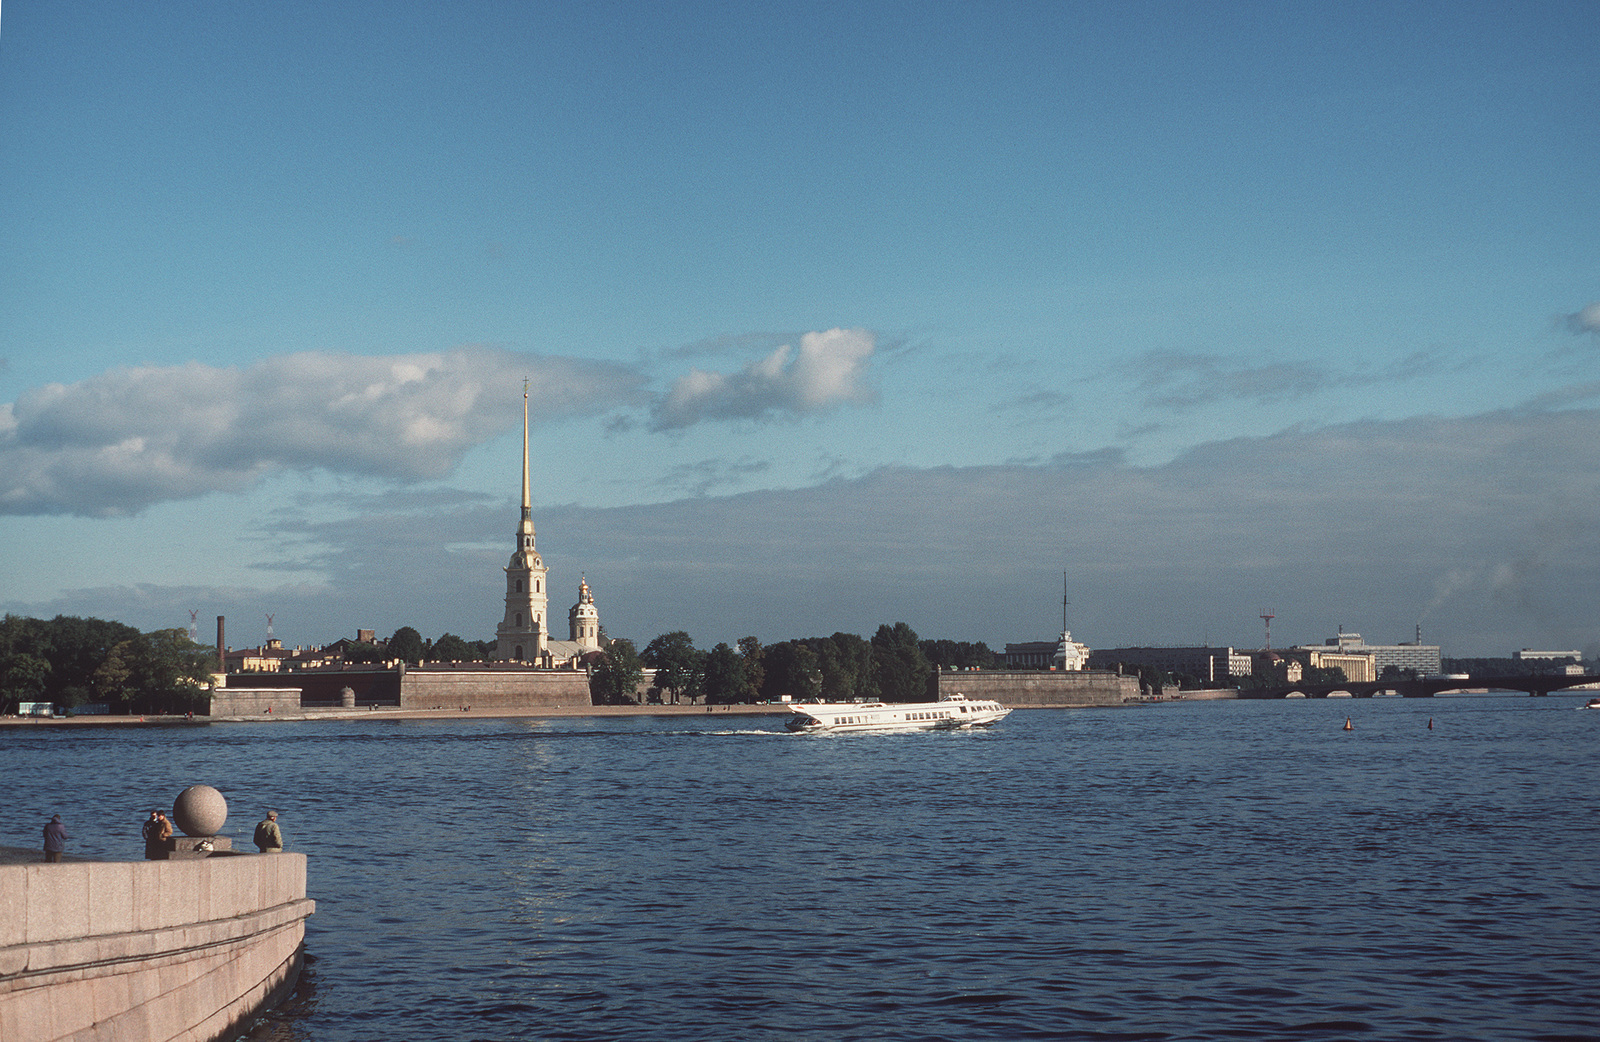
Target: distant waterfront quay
[{"x": 1224, "y": 869}]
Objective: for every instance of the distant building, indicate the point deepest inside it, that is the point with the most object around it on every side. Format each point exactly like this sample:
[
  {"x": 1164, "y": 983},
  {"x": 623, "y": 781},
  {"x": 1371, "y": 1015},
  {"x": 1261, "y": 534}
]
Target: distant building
[
  {"x": 1529, "y": 655},
  {"x": 1359, "y": 667},
  {"x": 1207, "y": 664},
  {"x": 1424, "y": 658},
  {"x": 1065, "y": 654}
]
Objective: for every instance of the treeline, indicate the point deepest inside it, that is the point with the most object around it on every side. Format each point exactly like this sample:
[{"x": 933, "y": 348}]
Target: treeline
[
  {"x": 71, "y": 661},
  {"x": 408, "y": 644},
  {"x": 894, "y": 666},
  {"x": 1507, "y": 667}
]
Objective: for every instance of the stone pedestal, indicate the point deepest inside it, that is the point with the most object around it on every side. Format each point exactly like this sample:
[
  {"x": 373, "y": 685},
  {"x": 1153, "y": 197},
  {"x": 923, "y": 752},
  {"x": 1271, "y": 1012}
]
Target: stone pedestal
[{"x": 185, "y": 848}]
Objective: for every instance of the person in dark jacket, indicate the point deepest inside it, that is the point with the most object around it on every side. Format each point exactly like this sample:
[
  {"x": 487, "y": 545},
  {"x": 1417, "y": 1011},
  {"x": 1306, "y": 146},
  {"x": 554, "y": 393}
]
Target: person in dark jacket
[
  {"x": 55, "y": 839},
  {"x": 156, "y": 831},
  {"x": 269, "y": 840}
]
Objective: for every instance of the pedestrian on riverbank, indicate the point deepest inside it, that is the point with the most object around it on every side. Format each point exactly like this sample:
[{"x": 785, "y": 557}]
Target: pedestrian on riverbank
[
  {"x": 269, "y": 840},
  {"x": 55, "y": 839},
  {"x": 156, "y": 833}
]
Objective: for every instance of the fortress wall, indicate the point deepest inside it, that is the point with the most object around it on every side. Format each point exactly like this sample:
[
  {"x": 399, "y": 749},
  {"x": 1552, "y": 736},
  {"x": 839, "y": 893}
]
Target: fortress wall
[
  {"x": 423, "y": 688},
  {"x": 253, "y": 701},
  {"x": 379, "y": 685},
  {"x": 1032, "y": 688},
  {"x": 148, "y": 950}
]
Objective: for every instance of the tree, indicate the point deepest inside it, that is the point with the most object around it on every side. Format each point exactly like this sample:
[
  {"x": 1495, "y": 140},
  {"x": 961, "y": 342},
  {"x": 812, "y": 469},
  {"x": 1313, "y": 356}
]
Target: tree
[
  {"x": 168, "y": 672},
  {"x": 791, "y": 669},
  {"x": 614, "y": 681},
  {"x": 845, "y": 661},
  {"x": 112, "y": 675},
  {"x": 958, "y": 654},
  {"x": 76, "y": 648},
  {"x": 24, "y": 661},
  {"x": 363, "y": 651},
  {"x": 898, "y": 665},
  {"x": 406, "y": 644},
  {"x": 725, "y": 679},
  {"x": 22, "y": 679},
  {"x": 451, "y": 648},
  {"x": 751, "y": 651},
  {"x": 679, "y": 667}
]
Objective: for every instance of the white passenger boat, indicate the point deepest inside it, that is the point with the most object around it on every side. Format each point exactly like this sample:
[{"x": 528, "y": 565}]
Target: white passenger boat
[{"x": 948, "y": 714}]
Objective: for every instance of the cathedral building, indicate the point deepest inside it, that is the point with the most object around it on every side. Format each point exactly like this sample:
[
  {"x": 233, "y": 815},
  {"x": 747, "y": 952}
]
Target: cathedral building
[{"x": 523, "y": 634}]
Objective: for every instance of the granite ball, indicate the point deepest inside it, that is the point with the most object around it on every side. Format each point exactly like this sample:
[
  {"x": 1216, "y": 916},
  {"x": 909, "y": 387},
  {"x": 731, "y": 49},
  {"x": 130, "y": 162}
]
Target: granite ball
[{"x": 200, "y": 810}]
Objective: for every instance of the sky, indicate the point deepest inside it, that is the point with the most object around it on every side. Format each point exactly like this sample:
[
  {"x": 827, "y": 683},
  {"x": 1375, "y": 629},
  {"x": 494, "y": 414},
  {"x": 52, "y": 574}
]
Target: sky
[{"x": 832, "y": 315}]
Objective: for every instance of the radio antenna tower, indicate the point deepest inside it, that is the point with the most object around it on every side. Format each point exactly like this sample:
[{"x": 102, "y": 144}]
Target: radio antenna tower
[
  {"x": 1267, "y": 618},
  {"x": 194, "y": 626}
]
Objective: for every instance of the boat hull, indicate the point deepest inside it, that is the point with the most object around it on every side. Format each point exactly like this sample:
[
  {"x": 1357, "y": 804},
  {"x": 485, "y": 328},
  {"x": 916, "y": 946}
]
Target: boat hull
[{"x": 948, "y": 714}]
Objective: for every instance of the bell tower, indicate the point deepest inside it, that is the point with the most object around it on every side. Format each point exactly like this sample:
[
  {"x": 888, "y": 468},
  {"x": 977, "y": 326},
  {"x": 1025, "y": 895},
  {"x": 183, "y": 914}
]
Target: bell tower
[
  {"x": 522, "y": 633},
  {"x": 584, "y": 618}
]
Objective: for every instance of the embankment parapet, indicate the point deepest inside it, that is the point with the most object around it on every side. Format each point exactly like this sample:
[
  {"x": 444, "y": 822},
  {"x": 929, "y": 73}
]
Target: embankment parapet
[{"x": 139, "y": 951}]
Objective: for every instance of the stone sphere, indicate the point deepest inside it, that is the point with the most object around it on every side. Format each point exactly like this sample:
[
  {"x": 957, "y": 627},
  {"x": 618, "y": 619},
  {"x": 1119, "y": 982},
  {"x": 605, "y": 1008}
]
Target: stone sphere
[{"x": 199, "y": 810}]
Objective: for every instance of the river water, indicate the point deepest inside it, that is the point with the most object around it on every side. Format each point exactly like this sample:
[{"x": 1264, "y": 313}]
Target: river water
[{"x": 1213, "y": 870}]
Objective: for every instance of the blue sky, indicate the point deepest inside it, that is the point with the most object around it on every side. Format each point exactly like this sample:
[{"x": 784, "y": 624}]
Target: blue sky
[{"x": 835, "y": 314}]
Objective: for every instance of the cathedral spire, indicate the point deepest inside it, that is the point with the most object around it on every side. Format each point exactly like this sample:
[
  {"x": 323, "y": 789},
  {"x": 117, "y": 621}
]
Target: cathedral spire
[{"x": 527, "y": 503}]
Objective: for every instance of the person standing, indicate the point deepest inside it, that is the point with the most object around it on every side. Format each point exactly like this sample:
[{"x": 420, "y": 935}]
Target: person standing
[
  {"x": 55, "y": 839},
  {"x": 156, "y": 833},
  {"x": 269, "y": 840}
]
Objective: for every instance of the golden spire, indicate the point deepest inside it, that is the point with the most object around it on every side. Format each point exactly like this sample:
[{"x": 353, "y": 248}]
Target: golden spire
[{"x": 527, "y": 503}]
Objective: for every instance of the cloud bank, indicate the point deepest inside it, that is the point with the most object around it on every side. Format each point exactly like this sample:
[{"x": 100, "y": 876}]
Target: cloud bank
[
  {"x": 125, "y": 439},
  {"x": 828, "y": 370},
  {"x": 1484, "y": 529}
]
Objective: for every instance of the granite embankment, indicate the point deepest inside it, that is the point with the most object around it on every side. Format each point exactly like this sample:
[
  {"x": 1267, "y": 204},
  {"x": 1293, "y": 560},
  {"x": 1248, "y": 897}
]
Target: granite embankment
[{"x": 148, "y": 950}]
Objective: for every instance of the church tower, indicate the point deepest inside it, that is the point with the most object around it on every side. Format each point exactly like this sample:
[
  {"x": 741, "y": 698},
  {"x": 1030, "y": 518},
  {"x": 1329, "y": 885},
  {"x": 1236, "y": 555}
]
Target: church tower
[
  {"x": 522, "y": 633},
  {"x": 584, "y": 619}
]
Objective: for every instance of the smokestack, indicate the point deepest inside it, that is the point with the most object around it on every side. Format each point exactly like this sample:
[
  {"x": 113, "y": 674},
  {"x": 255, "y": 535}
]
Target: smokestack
[{"x": 222, "y": 649}]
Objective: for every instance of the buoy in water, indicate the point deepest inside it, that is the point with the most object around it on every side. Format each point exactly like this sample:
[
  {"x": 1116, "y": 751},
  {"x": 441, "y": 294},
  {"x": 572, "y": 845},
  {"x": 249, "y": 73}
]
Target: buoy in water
[
  {"x": 1347, "y": 724},
  {"x": 1430, "y": 723}
]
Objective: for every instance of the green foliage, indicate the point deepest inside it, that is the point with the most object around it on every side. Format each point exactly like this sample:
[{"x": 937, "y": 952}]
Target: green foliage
[
  {"x": 791, "y": 669},
  {"x": 451, "y": 648},
  {"x": 364, "y": 651},
  {"x": 614, "y": 681},
  {"x": 959, "y": 654},
  {"x": 406, "y": 644},
  {"x": 898, "y": 665},
  {"x": 845, "y": 662},
  {"x": 726, "y": 682},
  {"x": 751, "y": 651},
  {"x": 679, "y": 667},
  {"x": 70, "y": 661}
]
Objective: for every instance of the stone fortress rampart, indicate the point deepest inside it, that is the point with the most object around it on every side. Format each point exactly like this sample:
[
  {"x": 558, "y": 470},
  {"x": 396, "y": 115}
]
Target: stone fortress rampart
[{"x": 1023, "y": 688}]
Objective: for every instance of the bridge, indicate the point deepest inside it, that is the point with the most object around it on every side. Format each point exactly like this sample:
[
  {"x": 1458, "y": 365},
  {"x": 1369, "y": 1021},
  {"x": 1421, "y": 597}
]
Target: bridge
[{"x": 1428, "y": 687}]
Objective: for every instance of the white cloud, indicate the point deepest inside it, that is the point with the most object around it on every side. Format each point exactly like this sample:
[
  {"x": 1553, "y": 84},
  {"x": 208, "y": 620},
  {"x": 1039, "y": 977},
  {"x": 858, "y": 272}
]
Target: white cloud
[
  {"x": 120, "y": 441},
  {"x": 828, "y": 370},
  {"x": 1585, "y": 320}
]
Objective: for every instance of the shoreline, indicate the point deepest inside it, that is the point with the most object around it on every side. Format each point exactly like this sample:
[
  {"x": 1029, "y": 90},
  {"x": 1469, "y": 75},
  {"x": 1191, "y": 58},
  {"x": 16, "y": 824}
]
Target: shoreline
[{"x": 395, "y": 713}]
